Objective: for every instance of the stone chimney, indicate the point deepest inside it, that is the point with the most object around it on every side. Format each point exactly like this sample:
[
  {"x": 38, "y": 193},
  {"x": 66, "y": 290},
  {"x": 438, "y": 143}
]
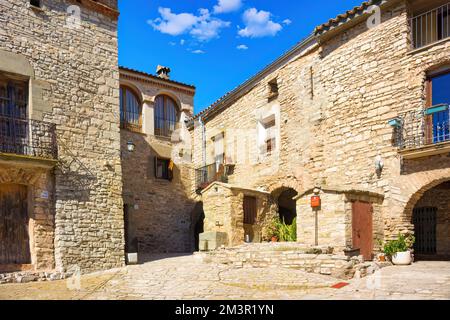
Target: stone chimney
[{"x": 163, "y": 72}]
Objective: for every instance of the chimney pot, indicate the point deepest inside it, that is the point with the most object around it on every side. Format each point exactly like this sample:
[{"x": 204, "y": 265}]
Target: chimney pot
[{"x": 163, "y": 72}]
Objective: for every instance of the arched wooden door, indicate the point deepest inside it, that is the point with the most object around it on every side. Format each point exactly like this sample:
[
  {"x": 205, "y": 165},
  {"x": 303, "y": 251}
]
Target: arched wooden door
[{"x": 14, "y": 220}]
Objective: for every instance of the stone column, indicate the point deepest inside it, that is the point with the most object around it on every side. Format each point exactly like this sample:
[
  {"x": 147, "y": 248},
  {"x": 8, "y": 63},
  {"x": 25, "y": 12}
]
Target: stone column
[{"x": 148, "y": 117}]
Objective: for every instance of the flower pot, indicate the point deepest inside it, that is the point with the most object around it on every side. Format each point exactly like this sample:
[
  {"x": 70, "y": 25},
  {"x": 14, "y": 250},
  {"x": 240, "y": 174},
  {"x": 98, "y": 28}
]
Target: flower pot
[
  {"x": 274, "y": 239},
  {"x": 382, "y": 258},
  {"x": 402, "y": 258}
]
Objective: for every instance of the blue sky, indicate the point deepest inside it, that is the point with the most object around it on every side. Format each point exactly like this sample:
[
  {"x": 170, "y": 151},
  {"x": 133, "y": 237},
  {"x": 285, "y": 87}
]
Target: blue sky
[{"x": 216, "y": 44}]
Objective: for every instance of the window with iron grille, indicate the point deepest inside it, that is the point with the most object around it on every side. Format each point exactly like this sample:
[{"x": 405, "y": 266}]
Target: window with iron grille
[
  {"x": 166, "y": 116},
  {"x": 130, "y": 110}
]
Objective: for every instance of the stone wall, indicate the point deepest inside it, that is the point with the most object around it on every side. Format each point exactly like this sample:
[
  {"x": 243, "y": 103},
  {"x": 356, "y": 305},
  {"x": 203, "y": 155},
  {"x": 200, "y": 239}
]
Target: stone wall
[
  {"x": 319, "y": 260},
  {"x": 335, "y": 100},
  {"x": 75, "y": 85},
  {"x": 160, "y": 212},
  {"x": 223, "y": 208}
]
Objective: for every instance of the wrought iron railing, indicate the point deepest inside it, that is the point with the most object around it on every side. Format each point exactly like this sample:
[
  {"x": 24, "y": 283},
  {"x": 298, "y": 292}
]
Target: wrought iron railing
[
  {"x": 431, "y": 26},
  {"x": 418, "y": 129},
  {"x": 28, "y": 137},
  {"x": 165, "y": 128},
  {"x": 206, "y": 175}
]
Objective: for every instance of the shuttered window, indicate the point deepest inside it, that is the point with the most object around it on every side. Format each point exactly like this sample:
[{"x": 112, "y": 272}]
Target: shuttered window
[
  {"x": 130, "y": 110},
  {"x": 166, "y": 116}
]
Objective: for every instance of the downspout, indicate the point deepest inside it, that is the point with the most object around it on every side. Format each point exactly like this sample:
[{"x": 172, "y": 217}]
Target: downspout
[{"x": 203, "y": 128}]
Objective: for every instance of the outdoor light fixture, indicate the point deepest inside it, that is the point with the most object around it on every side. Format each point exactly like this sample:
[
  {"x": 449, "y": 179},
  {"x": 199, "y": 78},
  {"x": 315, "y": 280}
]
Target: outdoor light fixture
[
  {"x": 396, "y": 123},
  {"x": 379, "y": 164},
  {"x": 131, "y": 146}
]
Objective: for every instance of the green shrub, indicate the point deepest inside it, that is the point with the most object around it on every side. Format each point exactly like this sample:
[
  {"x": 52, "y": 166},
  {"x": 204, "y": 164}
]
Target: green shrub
[
  {"x": 402, "y": 244},
  {"x": 284, "y": 232}
]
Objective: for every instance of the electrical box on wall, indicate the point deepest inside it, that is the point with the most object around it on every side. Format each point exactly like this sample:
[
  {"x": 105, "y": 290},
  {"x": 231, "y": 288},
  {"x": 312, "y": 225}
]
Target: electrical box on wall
[{"x": 315, "y": 202}]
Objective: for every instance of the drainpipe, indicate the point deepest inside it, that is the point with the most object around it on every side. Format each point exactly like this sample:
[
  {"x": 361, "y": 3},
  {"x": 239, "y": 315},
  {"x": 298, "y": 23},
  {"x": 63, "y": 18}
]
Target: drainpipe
[{"x": 203, "y": 128}]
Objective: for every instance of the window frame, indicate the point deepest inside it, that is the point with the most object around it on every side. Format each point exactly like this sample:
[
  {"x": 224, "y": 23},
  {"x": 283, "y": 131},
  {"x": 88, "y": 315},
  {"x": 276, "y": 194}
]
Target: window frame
[
  {"x": 160, "y": 132},
  {"x": 429, "y": 133},
  {"x": 125, "y": 123},
  {"x": 168, "y": 174}
]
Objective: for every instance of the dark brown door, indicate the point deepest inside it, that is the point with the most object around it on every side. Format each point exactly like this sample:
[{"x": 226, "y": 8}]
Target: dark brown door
[
  {"x": 14, "y": 238},
  {"x": 362, "y": 228},
  {"x": 249, "y": 210}
]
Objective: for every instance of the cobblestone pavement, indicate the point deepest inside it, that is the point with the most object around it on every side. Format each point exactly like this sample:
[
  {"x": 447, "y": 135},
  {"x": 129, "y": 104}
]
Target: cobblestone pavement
[{"x": 187, "y": 277}]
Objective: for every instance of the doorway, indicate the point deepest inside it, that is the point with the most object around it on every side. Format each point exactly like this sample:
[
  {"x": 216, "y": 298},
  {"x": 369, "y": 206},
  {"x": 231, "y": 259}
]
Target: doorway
[
  {"x": 14, "y": 225},
  {"x": 362, "y": 228}
]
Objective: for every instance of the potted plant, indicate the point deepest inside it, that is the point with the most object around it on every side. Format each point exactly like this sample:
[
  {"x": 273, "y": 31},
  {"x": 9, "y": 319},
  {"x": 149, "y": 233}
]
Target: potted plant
[{"x": 399, "y": 250}]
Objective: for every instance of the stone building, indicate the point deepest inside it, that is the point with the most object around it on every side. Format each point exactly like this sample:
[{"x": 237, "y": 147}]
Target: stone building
[
  {"x": 157, "y": 184},
  {"x": 61, "y": 204},
  {"x": 356, "y": 114}
]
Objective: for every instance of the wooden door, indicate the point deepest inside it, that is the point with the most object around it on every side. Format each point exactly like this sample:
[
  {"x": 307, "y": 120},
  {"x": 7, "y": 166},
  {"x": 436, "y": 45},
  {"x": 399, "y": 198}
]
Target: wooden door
[
  {"x": 250, "y": 210},
  {"x": 362, "y": 228},
  {"x": 14, "y": 237}
]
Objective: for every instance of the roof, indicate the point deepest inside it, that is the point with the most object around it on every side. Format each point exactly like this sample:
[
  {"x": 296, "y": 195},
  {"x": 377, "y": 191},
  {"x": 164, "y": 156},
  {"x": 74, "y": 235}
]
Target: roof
[
  {"x": 156, "y": 77},
  {"x": 347, "y": 16}
]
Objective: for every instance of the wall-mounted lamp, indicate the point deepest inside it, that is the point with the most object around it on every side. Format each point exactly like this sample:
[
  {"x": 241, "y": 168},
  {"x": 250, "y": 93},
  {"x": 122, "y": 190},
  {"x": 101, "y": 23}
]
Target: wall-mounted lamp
[
  {"x": 379, "y": 164},
  {"x": 395, "y": 123},
  {"x": 131, "y": 147}
]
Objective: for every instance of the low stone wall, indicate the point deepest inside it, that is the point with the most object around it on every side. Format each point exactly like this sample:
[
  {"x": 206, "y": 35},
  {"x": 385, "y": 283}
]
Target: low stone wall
[
  {"x": 319, "y": 260},
  {"x": 31, "y": 276}
]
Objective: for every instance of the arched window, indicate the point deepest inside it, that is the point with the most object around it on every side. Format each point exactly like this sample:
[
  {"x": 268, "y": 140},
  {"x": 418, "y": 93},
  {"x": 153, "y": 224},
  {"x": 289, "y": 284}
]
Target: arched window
[
  {"x": 130, "y": 110},
  {"x": 166, "y": 116}
]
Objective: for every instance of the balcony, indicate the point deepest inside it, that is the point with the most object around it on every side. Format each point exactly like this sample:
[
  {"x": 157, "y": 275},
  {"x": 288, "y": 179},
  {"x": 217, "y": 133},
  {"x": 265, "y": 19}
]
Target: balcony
[
  {"x": 206, "y": 175},
  {"x": 423, "y": 133},
  {"x": 431, "y": 26},
  {"x": 27, "y": 139}
]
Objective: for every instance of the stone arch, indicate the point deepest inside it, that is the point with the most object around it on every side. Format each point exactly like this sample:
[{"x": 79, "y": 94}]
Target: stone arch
[
  {"x": 170, "y": 94},
  {"x": 429, "y": 184},
  {"x": 283, "y": 201},
  {"x": 135, "y": 87}
]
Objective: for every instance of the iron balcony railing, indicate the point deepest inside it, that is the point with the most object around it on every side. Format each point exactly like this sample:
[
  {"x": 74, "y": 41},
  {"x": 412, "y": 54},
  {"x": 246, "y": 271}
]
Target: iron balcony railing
[
  {"x": 417, "y": 129},
  {"x": 165, "y": 128},
  {"x": 28, "y": 137},
  {"x": 206, "y": 175},
  {"x": 431, "y": 26}
]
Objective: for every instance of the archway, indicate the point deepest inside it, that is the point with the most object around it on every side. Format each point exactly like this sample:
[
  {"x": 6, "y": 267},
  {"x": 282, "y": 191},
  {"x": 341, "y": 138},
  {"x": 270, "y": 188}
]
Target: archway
[
  {"x": 287, "y": 206},
  {"x": 431, "y": 220},
  {"x": 198, "y": 218}
]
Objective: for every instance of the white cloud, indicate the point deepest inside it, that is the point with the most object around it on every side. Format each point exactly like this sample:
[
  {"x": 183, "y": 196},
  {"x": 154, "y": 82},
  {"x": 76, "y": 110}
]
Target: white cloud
[
  {"x": 202, "y": 27},
  {"x": 242, "y": 47},
  {"x": 198, "y": 52},
  {"x": 182, "y": 42},
  {"x": 208, "y": 28},
  {"x": 173, "y": 24},
  {"x": 259, "y": 24},
  {"x": 287, "y": 22},
  {"x": 224, "y": 6}
]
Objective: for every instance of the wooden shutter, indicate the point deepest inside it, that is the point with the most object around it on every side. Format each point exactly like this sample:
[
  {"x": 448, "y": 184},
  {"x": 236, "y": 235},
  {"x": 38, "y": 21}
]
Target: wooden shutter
[{"x": 249, "y": 210}]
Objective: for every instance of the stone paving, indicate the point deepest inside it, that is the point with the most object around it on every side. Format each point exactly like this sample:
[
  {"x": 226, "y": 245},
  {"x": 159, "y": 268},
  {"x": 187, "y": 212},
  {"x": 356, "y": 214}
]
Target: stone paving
[{"x": 188, "y": 277}]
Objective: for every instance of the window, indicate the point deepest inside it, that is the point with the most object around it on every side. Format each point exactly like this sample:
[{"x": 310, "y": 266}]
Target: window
[
  {"x": 268, "y": 136},
  {"x": 164, "y": 169},
  {"x": 273, "y": 89},
  {"x": 35, "y": 3},
  {"x": 437, "y": 113},
  {"x": 429, "y": 24},
  {"x": 219, "y": 150},
  {"x": 166, "y": 116},
  {"x": 13, "y": 97},
  {"x": 130, "y": 110}
]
